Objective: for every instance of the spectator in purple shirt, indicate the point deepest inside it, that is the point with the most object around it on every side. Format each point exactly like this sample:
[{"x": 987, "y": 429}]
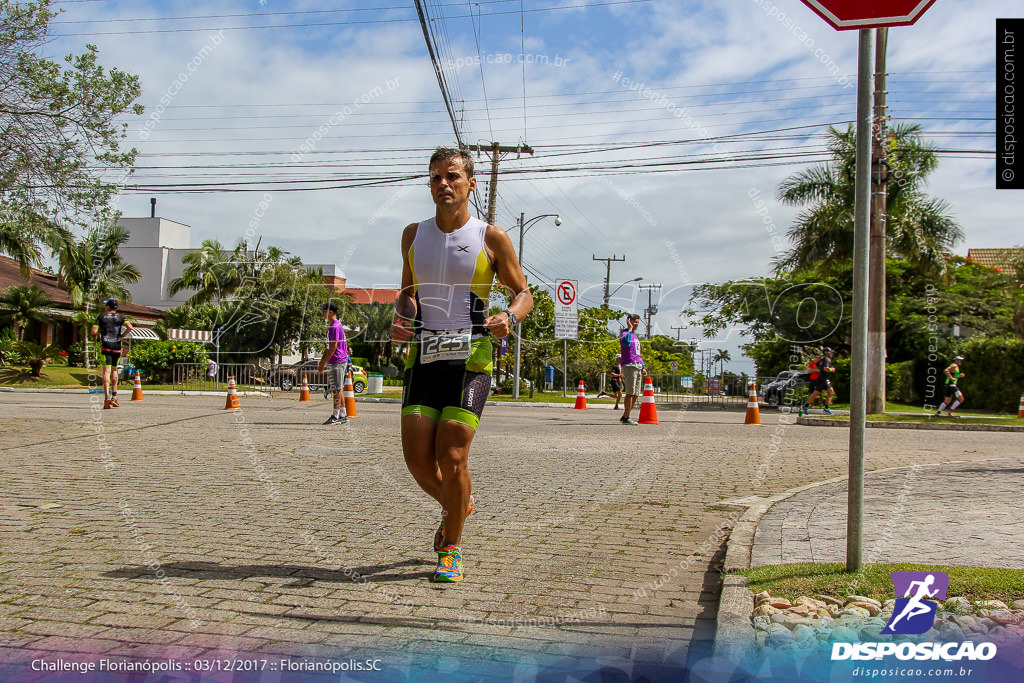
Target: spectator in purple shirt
[
  {"x": 633, "y": 368},
  {"x": 335, "y": 361}
]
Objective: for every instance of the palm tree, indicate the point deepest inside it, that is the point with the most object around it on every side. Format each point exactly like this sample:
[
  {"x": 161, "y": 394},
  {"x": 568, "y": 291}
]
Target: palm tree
[
  {"x": 36, "y": 355},
  {"x": 209, "y": 271},
  {"x": 376, "y": 319},
  {"x": 24, "y": 304},
  {"x": 22, "y": 239},
  {"x": 93, "y": 270},
  {"x": 919, "y": 228},
  {"x": 721, "y": 356}
]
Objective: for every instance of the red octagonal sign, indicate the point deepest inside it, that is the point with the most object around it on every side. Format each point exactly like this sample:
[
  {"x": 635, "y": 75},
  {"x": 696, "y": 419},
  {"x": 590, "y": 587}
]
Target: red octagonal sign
[{"x": 852, "y": 14}]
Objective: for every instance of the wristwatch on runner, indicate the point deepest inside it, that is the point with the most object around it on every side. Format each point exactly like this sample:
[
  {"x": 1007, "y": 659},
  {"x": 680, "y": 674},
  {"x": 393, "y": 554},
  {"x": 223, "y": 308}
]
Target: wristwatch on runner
[{"x": 511, "y": 317}]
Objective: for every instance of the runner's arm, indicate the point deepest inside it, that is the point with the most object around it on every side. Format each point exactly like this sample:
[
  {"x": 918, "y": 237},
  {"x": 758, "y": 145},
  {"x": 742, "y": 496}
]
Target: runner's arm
[
  {"x": 405, "y": 304},
  {"x": 510, "y": 274}
]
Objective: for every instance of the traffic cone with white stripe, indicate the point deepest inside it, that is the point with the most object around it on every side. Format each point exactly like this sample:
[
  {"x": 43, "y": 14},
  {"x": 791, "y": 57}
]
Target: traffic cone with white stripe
[
  {"x": 232, "y": 403},
  {"x": 137, "y": 389},
  {"x": 1020, "y": 411},
  {"x": 581, "y": 398},
  {"x": 648, "y": 411},
  {"x": 753, "y": 411},
  {"x": 304, "y": 393},
  {"x": 349, "y": 393}
]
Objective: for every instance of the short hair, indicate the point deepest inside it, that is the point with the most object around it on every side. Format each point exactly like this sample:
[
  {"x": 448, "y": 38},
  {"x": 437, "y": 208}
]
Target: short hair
[
  {"x": 446, "y": 153},
  {"x": 633, "y": 316},
  {"x": 330, "y": 306}
]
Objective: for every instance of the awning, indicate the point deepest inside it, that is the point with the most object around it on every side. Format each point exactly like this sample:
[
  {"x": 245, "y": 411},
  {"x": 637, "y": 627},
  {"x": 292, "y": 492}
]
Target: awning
[
  {"x": 142, "y": 333},
  {"x": 190, "y": 335}
]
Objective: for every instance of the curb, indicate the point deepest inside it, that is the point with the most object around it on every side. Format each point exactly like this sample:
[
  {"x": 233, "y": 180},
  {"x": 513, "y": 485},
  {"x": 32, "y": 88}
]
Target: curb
[
  {"x": 734, "y": 630},
  {"x": 936, "y": 426}
]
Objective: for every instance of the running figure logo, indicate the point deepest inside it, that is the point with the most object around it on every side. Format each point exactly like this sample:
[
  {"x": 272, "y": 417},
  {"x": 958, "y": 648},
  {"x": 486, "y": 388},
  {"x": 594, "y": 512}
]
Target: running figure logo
[{"x": 912, "y": 614}]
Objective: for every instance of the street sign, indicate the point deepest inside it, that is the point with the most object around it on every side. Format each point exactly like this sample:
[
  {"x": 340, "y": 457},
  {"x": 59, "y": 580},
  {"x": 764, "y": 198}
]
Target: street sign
[
  {"x": 566, "y": 310},
  {"x": 674, "y": 365},
  {"x": 845, "y": 15}
]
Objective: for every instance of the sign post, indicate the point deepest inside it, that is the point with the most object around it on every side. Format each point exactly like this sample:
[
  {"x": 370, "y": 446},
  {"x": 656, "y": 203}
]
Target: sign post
[
  {"x": 567, "y": 321},
  {"x": 862, "y": 15}
]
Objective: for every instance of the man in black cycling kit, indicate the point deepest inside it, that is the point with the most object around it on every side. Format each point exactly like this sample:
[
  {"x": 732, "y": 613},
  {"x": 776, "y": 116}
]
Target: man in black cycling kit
[{"x": 108, "y": 326}]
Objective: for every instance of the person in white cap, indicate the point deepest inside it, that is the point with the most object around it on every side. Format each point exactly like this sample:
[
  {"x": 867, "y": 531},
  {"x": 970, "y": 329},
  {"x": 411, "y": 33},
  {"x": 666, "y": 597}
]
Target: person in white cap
[{"x": 953, "y": 393}]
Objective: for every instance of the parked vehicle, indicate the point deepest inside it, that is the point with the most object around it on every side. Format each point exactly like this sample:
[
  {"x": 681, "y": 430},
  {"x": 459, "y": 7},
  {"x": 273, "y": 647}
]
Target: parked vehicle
[
  {"x": 774, "y": 392},
  {"x": 287, "y": 378}
]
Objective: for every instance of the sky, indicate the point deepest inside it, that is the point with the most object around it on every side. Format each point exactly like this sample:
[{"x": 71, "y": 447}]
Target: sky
[{"x": 655, "y": 126}]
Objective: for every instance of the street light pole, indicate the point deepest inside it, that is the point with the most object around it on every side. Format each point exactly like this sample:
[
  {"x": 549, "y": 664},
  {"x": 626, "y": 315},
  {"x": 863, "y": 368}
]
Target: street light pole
[{"x": 523, "y": 227}]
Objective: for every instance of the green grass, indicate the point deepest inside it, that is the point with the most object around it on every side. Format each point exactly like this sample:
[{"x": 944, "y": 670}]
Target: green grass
[
  {"x": 792, "y": 581},
  {"x": 918, "y": 409},
  {"x": 930, "y": 418}
]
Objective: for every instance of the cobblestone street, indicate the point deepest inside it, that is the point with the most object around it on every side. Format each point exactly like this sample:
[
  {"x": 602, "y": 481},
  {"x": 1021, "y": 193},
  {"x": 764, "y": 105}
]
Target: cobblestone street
[{"x": 207, "y": 533}]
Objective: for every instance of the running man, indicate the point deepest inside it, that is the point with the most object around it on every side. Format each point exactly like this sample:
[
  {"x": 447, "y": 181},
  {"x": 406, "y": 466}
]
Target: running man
[
  {"x": 108, "y": 326},
  {"x": 335, "y": 361},
  {"x": 448, "y": 264},
  {"x": 953, "y": 393},
  {"x": 914, "y": 606},
  {"x": 822, "y": 387},
  {"x": 633, "y": 367}
]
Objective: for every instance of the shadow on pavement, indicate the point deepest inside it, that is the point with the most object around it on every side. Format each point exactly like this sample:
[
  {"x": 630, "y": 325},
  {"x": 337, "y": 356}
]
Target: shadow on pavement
[{"x": 303, "y": 575}]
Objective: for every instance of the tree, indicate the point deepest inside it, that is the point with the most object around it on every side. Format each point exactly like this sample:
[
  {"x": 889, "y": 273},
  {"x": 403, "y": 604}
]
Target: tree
[
  {"x": 374, "y": 321},
  {"x": 24, "y": 304},
  {"x": 721, "y": 356},
  {"x": 62, "y": 133},
  {"x": 92, "y": 270},
  {"x": 919, "y": 228}
]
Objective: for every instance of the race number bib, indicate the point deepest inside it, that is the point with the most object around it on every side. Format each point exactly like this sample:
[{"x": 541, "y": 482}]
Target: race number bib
[{"x": 444, "y": 346}]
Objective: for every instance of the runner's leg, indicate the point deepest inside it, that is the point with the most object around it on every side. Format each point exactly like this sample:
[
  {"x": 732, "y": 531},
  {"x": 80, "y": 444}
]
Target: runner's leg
[
  {"x": 418, "y": 438},
  {"x": 451, "y": 445}
]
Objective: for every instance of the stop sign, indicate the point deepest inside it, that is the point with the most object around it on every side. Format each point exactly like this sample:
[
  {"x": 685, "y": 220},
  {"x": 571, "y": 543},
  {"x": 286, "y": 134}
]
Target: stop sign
[{"x": 851, "y": 14}]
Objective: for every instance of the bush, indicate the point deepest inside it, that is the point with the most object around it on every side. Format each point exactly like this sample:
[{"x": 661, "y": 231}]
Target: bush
[
  {"x": 506, "y": 387},
  {"x": 993, "y": 373},
  {"x": 156, "y": 359},
  {"x": 899, "y": 382},
  {"x": 76, "y": 353}
]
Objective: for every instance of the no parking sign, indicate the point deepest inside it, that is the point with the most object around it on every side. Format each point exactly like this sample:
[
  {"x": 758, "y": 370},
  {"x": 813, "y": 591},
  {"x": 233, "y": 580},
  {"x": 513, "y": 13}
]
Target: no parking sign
[{"x": 567, "y": 320}]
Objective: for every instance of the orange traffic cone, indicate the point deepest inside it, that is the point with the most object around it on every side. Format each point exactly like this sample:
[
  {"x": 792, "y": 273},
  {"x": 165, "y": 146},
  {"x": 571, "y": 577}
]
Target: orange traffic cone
[
  {"x": 232, "y": 403},
  {"x": 753, "y": 412},
  {"x": 349, "y": 393},
  {"x": 304, "y": 394},
  {"x": 648, "y": 411},
  {"x": 137, "y": 390},
  {"x": 581, "y": 398},
  {"x": 1020, "y": 411}
]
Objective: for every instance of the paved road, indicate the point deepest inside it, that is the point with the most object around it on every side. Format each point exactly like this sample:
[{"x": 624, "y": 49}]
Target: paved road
[{"x": 202, "y": 532}]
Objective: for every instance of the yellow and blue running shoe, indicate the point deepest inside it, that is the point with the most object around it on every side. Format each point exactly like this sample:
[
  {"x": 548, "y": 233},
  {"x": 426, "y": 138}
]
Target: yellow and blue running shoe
[{"x": 449, "y": 565}]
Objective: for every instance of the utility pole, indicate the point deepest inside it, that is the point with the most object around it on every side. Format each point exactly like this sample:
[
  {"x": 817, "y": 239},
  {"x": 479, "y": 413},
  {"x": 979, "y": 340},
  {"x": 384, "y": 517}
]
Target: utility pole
[
  {"x": 651, "y": 308},
  {"x": 879, "y": 201},
  {"x": 496, "y": 150},
  {"x": 679, "y": 332},
  {"x": 608, "y": 272}
]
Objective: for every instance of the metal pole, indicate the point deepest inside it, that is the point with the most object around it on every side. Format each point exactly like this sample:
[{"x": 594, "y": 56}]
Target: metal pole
[
  {"x": 861, "y": 247},
  {"x": 515, "y": 363},
  {"x": 565, "y": 366}
]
